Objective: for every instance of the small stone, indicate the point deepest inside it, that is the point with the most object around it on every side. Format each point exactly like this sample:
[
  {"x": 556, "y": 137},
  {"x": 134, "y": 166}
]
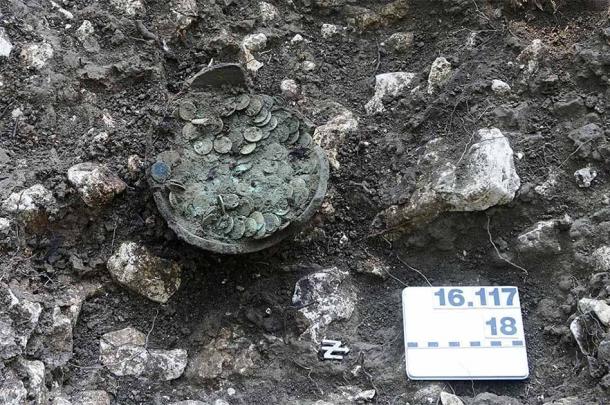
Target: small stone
[
  {"x": 268, "y": 12},
  {"x": 542, "y": 238},
  {"x": 399, "y": 42},
  {"x": 599, "y": 307},
  {"x": 289, "y": 88},
  {"x": 135, "y": 164},
  {"x": 388, "y": 84},
  {"x": 601, "y": 259},
  {"x": 128, "y": 7},
  {"x": 440, "y": 72},
  {"x": 36, "y": 387},
  {"x": 255, "y": 42},
  {"x": 330, "y": 136},
  {"x": 585, "y": 139},
  {"x": 327, "y": 296},
  {"x": 308, "y": 66},
  {"x": 85, "y": 30},
  {"x": 298, "y": 38},
  {"x": 427, "y": 396},
  {"x": 585, "y": 176},
  {"x": 329, "y": 30},
  {"x": 95, "y": 183},
  {"x": 12, "y": 391},
  {"x": 18, "y": 318},
  {"x": 5, "y": 226},
  {"x": 450, "y": 399},
  {"x": 153, "y": 277},
  {"x": 487, "y": 398},
  {"x": 96, "y": 397},
  {"x": 531, "y": 56},
  {"x": 36, "y": 56},
  {"x": 500, "y": 88},
  {"x": 5, "y": 44},
  {"x": 603, "y": 351}
]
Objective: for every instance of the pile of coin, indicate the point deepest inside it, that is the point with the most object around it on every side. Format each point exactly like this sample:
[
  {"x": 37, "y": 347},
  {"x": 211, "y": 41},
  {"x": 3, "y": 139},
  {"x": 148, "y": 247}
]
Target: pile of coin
[{"x": 244, "y": 169}]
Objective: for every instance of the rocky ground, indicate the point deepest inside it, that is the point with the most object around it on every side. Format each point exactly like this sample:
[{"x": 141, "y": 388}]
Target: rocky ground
[{"x": 468, "y": 142}]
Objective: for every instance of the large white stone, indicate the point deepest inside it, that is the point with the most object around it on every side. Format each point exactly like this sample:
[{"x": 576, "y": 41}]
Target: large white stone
[
  {"x": 331, "y": 135},
  {"x": 5, "y": 44},
  {"x": 95, "y": 183},
  {"x": 137, "y": 269},
  {"x": 30, "y": 201},
  {"x": 599, "y": 307},
  {"x": 486, "y": 177},
  {"x": 36, "y": 56},
  {"x": 388, "y": 84},
  {"x": 326, "y": 296}
]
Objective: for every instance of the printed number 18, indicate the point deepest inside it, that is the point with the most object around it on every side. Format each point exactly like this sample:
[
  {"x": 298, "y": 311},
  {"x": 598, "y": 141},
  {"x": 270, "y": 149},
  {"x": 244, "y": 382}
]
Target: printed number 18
[{"x": 508, "y": 326}]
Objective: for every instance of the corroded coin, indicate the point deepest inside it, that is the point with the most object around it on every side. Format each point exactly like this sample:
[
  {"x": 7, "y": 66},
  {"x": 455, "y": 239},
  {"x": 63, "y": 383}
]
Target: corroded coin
[
  {"x": 225, "y": 224},
  {"x": 190, "y": 131},
  {"x": 222, "y": 145},
  {"x": 209, "y": 125},
  {"x": 230, "y": 201},
  {"x": 253, "y": 134},
  {"x": 239, "y": 227},
  {"x": 245, "y": 206},
  {"x": 160, "y": 171},
  {"x": 263, "y": 116},
  {"x": 255, "y": 106},
  {"x": 292, "y": 123},
  {"x": 248, "y": 148},
  {"x": 242, "y": 102},
  {"x": 269, "y": 166},
  {"x": 268, "y": 101},
  {"x": 271, "y": 125},
  {"x": 243, "y": 189},
  {"x": 242, "y": 168},
  {"x": 293, "y": 138},
  {"x": 187, "y": 110},
  {"x": 251, "y": 227},
  {"x": 272, "y": 222},
  {"x": 259, "y": 218},
  {"x": 227, "y": 108},
  {"x": 203, "y": 146},
  {"x": 305, "y": 140}
]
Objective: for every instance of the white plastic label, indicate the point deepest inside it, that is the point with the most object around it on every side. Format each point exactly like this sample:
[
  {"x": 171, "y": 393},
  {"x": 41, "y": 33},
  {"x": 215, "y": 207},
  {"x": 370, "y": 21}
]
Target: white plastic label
[{"x": 464, "y": 333}]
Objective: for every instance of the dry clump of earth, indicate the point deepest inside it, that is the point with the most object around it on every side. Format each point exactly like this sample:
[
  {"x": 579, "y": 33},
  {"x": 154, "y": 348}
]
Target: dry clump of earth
[{"x": 468, "y": 145}]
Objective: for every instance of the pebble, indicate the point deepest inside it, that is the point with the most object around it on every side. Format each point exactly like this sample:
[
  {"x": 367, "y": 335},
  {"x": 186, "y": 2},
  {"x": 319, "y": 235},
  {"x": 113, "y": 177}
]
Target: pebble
[
  {"x": 85, "y": 30},
  {"x": 440, "y": 72},
  {"x": 388, "y": 85},
  {"x": 585, "y": 176},
  {"x": 331, "y": 135},
  {"x": 92, "y": 397},
  {"x": 308, "y": 66},
  {"x": 599, "y": 307},
  {"x": 5, "y": 226},
  {"x": 585, "y": 139},
  {"x": 5, "y": 44},
  {"x": 268, "y": 12},
  {"x": 488, "y": 398},
  {"x": 601, "y": 258},
  {"x": 450, "y": 399},
  {"x": 298, "y": 38},
  {"x": 30, "y": 201},
  {"x": 500, "y": 88},
  {"x": 36, "y": 56},
  {"x": 329, "y": 30},
  {"x": 290, "y": 89},
  {"x": 134, "y": 267},
  {"x": 429, "y": 395},
  {"x": 128, "y": 7},
  {"x": 95, "y": 183},
  {"x": 541, "y": 238},
  {"x": 399, "y": 42},
  {"x": 255, "y": 42}
]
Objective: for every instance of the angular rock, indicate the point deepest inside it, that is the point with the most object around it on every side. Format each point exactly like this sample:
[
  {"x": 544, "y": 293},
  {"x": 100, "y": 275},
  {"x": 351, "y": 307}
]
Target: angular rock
[
  {"x": 308, "y": 66},
  {"x": 603, "y": 351},
  {"x": 586, "y": 140},
  {"x": 429, "y": 395},
  {"x": 85, "y": 30},
  {"x": 12, "y": 390},
  {"x": 185, "y": 12},
  {"x": 268, "y": 12},
  {"x": 95, "y": 183},
  {"x": 531, "y": 57},
  {"x": 388, "y": 85},
  {"x": 585, "y": 176},
  {"x": 399, "y": 42},
  {"x": 18, "y": 318},
  {"x": 601, "y": 258},
  {"x": 30, "y": 203},
  {"x": 329, "y": 30},
  {"x": 450, "y": 399},
  {"x": 128, "y": 7},
  {"x": 255, "y": 42},
  {"x": 487, "y": 398},
  {"x": 485, "y": 179},
  {"x": 440, "y": 72},
  {"x": 499, "y": 87},
  {"x": 290, "y": 89},
  {"x": 331, "y": 135},
  {"x": 228, "y": 354},
  {"x": 137, "y": 269},
  {"x": 35, "y": 371},
  {"x": 541, "y": 238},
  {"x": 5, "y": 44},
  {"x": 599, "y": 307},
  {"x": 324, "y": 296},
  {"x": 124, "y": 353},
  {"x": 36, "y": 56},
  {"x": 5, "y": 226}
]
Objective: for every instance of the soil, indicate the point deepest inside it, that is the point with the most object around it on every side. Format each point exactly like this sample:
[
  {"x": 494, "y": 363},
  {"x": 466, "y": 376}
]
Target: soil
[{"x": 66, "y": 104}]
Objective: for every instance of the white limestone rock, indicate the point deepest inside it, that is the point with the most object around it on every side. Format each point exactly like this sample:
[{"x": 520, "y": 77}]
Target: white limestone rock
[
  {"x": 30, "y": 202},
  {"x": 388, "y": 84},
  {"x": 95, "y": 183},
  {"x": 599, "y": 307},
  {"x": 5, "y": 44},
  {"x": 329, "y": 30},
  {"x": 325, "y": 296},
  {"x": 36, "y": 56},
  {"x": 440, "y": 72},
  {"x": 500, "y": 88},
  {"x": 268, "y": 12},
  {"x": 130, "y": 8},
  {"x": 137, "y": 269},
  {"x": 18, "y": 319},
  {"x": 290, "y": 89},
  {"x": 585, "y": 176},
  {"x": 331, "y": 135}
]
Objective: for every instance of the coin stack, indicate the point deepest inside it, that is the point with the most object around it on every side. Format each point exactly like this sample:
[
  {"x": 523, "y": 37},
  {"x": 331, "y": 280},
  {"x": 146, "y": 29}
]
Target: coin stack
[{"x": 246, "y": 168}]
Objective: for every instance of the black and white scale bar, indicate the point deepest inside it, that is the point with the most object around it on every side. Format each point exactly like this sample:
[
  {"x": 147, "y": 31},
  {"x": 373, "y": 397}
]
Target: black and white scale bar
[{"x": 465, "y": 345}]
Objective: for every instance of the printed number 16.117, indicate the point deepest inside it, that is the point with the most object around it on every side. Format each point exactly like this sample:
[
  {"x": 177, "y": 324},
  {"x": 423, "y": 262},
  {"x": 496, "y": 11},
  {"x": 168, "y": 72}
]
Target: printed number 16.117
[{"x": 455, "y": 296}]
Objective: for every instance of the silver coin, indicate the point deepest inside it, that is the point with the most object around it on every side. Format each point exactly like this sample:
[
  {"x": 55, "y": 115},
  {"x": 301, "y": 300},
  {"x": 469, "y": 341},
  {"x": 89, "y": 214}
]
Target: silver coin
[
  {"x": 265, "y": 121},
  {"x": 222, "y": 145},
  {"x": 281, "y": 132},
  {"x": 228, "y": 107},
  {"x": 242, "y": 102},
  {"x": 269, "y": 166},
  {"x": 272, "y": 222},
  {"x": 251, "y": 227},
  {"x": 209, "y": 125},
  {"x": 293, "y": 124},
  {"x": 293, "y": 138},
  {"x": 284, "y": 226},
  {"x": 248, "y": 148},
  {"x": 298, "y": 182},
  {"x": 282, "y": 211},
  {"x": 255, "y": 106},
  {"x": 262, "y": 232},
  {"x": 239, "y": 227},
  {"x": 174, "y": 201},
  {"x": 271, "y": 125},
  {"x": 259, "y": 218},
  {"x": 262, "y": 116},
  {"x": 203, "y": 146},
  {"x": 187, "y": 110},
  {"x": 245, "y": 206},
  {"x": 230, "y": 201},
  {"x": 189, "y": 131},
  {"x": 253, "y": 134},
  {"x": 305, "y": 140},
  {"x": 243, "y": 189},
  {"x": 268, "y": 101},
  {"x": 242, "y": 168},
  {"x": 225, "y": 224}
]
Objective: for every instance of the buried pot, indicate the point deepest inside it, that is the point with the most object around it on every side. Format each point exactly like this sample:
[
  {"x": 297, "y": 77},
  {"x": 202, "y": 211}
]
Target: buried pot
[{"x": 243, "y": 172}]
